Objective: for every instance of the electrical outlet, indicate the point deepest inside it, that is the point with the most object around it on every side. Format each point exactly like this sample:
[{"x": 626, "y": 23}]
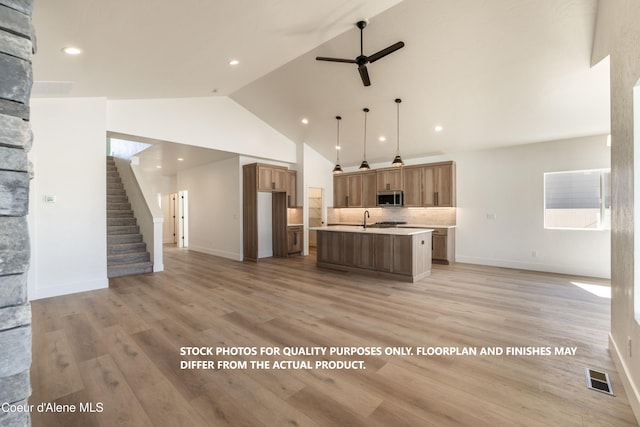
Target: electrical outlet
[{"x": 534, "y": 254}]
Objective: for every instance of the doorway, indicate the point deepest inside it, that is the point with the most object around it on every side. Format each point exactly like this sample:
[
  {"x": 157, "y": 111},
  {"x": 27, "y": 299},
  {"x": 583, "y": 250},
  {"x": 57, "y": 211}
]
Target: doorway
[{"x": 316, "y": 209}]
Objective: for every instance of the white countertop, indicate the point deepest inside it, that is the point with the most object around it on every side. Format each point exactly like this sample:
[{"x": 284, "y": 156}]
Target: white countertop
[
  {"x": 373, "y": 230},
  {"x": 425, "y": 226}
]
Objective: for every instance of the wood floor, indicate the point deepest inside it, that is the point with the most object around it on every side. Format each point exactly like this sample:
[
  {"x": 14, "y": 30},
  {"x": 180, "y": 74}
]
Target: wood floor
[{"x": 120, "y": 347}]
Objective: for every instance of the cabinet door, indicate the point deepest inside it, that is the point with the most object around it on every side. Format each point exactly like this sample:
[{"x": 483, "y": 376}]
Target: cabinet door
[
  {"x": 429, "y": 186},
  {"x": 412, "y": 186},
  {"x": 389, "y": 180},
  {"x": 280, "y": 178},
  {"x": 354, "y": 195},
  {"x": 265, "y": 180},
  {"x": 369, "y": 190},
  {"x": 340, "y": 191},
  {"x": 444, "y": 185},
  {"x": 291, "y": 189},
  {"x": 383, "y": 252},
  {"x": 402, "y": 255},
  {"x": 297, "y": 240}
]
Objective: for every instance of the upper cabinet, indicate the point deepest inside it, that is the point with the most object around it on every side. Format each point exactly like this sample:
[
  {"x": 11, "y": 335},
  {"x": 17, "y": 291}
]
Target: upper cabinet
[
  {"x": 430, "y": 185},
  {"x": 272, "y": 178},
  {"x": 369, "y": 192},
  {"x": 347, "y": 190},
  {"x": 291, "y": 189},
  {"x": 389, "y": 179}
]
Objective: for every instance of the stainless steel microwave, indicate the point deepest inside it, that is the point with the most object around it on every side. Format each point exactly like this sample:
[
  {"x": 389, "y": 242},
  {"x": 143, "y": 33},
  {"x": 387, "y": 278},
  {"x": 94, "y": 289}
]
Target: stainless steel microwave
[{"x": 390, "y": 198}]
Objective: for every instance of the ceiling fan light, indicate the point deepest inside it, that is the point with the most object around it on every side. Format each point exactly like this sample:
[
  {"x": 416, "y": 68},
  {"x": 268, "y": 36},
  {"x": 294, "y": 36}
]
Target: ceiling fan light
[
  {"x": 364, "y": 166},
  {"x": 397, "y": 161}
]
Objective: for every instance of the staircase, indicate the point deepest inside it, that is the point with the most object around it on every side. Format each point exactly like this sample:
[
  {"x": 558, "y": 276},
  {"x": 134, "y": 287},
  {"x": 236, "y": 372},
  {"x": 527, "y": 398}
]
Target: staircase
[{"x": 126, "y": 252}]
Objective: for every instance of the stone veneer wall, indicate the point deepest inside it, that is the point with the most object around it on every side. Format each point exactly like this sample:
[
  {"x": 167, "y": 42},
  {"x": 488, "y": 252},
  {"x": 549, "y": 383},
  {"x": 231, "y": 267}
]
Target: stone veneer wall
[{"x": 16, "y": 49}]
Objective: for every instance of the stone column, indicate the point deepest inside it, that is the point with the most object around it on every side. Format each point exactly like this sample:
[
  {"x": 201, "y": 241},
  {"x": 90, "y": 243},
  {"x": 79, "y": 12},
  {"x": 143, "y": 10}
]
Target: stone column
[{"x": 17, "y": 44}]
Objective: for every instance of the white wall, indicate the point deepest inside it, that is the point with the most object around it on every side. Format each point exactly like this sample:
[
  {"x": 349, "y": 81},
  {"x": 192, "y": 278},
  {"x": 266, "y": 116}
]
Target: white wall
[
  {"x": 217, "y": 122},
  {"x": 508, "y": 182},
  {"x": 215, "y": 217},
  {"x": 69, "y": 237}
]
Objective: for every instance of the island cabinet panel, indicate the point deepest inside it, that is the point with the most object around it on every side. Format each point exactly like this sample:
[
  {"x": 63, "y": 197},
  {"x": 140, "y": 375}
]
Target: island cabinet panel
[
  {"x": 330, "y": 248},
  {"x": 292, "y": 201},
  {"x": 347, "y": 191},
  {"x": 359, "y": 250},
  {"x": 402, "y": 255},
  {"x": 383, "y": 252},
  {"x": 389, "y": 179},
  {"x": 294, "y": 239},
  {"x": 272, "y": 178}
]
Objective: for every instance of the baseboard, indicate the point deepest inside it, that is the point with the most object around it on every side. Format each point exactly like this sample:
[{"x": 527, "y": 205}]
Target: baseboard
[
  {"x": 547, "y": 268},
  {"x": 56, "y": 291},
  {"x": 633, "y": 394},
  {"x": 215, "y": 252}
]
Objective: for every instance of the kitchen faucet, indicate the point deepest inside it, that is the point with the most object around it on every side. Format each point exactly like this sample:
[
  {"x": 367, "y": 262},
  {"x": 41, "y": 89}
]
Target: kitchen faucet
[{"x": 364, "y": 219}]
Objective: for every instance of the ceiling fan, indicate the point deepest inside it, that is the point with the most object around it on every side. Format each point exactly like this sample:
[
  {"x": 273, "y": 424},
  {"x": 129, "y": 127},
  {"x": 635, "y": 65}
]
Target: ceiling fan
[{"x": 362, "y": 60}]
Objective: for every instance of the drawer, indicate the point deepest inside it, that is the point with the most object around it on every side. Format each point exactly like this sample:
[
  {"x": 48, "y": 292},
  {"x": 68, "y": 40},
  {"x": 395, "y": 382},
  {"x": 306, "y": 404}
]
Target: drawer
[{"x": 440, "y": 231}]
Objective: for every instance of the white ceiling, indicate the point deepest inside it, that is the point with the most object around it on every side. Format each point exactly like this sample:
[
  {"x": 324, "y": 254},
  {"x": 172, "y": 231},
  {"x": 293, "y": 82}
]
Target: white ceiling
[{"x": 491, "y": 72}]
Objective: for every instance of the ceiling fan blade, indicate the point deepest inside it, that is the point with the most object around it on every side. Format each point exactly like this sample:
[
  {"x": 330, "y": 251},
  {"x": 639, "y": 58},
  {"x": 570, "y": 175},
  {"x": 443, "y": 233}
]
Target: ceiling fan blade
[
  {"x": 323, "y": 58},
  {"x": 364, "y": 75},
  {"x": 386, "y": 51}
]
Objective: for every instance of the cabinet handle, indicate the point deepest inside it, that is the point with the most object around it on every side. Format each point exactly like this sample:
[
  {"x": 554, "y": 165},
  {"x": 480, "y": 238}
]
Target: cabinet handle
[
  {"x": 273, "y": 185},
  {"x": 289, "y": 200},
  {"x": 388, "y": 186},
  {"x": 346, "y": 201}
]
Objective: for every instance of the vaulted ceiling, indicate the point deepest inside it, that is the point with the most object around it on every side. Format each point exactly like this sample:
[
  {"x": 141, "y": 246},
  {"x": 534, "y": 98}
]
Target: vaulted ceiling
[{"x": 490, "y": 72}]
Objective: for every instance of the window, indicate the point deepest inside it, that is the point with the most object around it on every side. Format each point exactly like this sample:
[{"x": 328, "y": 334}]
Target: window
[{"x": 577, "y": 199}]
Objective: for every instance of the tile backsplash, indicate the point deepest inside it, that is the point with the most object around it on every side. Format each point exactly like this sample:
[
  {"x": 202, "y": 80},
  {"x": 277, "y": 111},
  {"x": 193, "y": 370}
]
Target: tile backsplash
[
  {"x": 426, "y": 216},
  {"x": 294, "y": 216}
]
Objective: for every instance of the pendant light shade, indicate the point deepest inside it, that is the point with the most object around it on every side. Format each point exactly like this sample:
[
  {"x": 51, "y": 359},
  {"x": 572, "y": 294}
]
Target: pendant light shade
[
  {"x": 364, "y": 166},
  {"x": 338, "y": 168},
  {"x": 397, "y": 161}
]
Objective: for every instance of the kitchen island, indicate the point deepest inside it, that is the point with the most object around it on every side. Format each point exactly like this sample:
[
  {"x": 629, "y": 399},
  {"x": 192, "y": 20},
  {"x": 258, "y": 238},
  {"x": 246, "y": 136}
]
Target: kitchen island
[{"x": 399, "y": 253}]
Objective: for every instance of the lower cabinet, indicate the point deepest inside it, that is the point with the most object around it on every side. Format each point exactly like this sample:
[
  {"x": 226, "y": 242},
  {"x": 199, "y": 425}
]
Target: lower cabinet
[
  {"x": 443, "y": 246},
  {"x": 294, "y": 239},
  {"x": 407, "y": 257}
]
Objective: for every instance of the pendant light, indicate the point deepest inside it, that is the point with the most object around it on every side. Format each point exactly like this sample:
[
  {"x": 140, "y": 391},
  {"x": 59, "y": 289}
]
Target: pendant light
[
  {"x": 338, "y": 169},
  {"x": 364, "y": 166},
  {"x": 397, "y": 161}
]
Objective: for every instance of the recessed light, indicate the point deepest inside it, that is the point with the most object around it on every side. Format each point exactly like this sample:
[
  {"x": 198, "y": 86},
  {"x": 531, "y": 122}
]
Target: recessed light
[
  {"x": 438, "y": 128},
  {"x": 305, "y": 121},
  {"x": 159, "y": 167},
  {"x": 234, "y": 62},
  {"x": 71, "y": 50},
  {"x": 180, "y": 159},
  {"x": 382, "y": 138},
  {"x": 337, "y": 147}
]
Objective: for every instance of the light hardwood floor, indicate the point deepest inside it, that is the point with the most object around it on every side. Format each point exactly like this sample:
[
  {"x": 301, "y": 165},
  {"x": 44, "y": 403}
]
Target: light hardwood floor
[{"x": 120, "y": 347}]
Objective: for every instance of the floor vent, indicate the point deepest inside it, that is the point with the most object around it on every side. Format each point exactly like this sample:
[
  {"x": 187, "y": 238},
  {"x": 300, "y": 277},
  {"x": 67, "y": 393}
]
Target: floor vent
[{"x": 598, "y": 381}]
